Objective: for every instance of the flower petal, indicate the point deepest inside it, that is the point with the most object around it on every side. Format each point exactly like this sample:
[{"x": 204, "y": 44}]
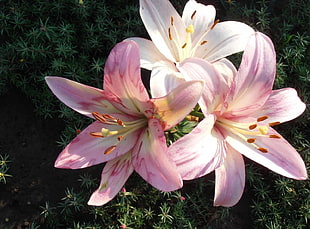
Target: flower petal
[
  {"x": 151, "y": 161},
  {"x": 199, "y": 152},
  {"x": 224, "y": 39},
  {"x": 164, "y": 78},
  {"x": 216, "y": 88},
  {"x": 122, "y": 77},
  {"x": 283, "y": 105},
  {"x": 253, "y": 82},
  {"x": 149, "y": 54},
  {"x": 81, "y": 98},
  {"x": 226, "y": 69},
  {"x": 85, "y": 150},
  {"x": 281, "y": 157},
  {"x": 157, "y": 18},
  {"x": 178, "y": 103},
  {"x": 113, "y": 177},
  {"x": 200, "y": 16},
  {"x": 229, "y": 179}
]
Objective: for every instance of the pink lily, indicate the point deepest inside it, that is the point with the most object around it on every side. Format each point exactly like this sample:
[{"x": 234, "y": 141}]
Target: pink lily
[
  {"x": 128, "y": 132},
  {"x": 176, "y": 38},
  {"x": 239, "y": 114}
]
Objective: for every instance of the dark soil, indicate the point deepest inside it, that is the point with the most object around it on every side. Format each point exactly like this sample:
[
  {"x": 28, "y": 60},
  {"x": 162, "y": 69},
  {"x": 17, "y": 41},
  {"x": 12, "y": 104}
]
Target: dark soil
[{"x": 30, "y": 142}]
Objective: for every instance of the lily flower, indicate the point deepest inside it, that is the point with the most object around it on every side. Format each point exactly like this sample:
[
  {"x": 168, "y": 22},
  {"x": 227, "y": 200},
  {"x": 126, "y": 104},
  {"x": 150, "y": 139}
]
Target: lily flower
[
  {"x": 240, "y": 112},
  {"x": 176, "y": 38},
  {"x": 128, "y": 131}
]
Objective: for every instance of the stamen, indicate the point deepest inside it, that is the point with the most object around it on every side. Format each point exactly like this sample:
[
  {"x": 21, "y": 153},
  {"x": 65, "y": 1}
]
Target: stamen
[
  {"x": 263, "y": 130},
  {"x": 274, "y": 123},
  {"x": 263, "y": 150},
  {"x": 120, "y": 137},
  {"x": 120, "y": 122},
  {"x": 171, "y": 20},
  {"x": 169, "y": 33},
  {"x": 214, "y": 24},
  {"x": 183, "y": 46},
  {"x": 96, "y": 134},
  {"x": 99, "y": 117},
  {"x": 190, "y": 29},
  {"x": 260, "y": 119},
  {"x": 274, "y": 136},
  {"x": 203, "y": 42},
  {"x": 252, "y": 127},
  {"x": 193, "y": 15},
  {"x": 109, "y": 150},
  {"x": 251, "y": 140}
]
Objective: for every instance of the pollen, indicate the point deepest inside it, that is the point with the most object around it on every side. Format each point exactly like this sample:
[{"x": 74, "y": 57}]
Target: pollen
[
  {"x": 183, "y": 46},
  {"x": 251, "y": 140},
  {"x": 263, "y": 130},
  {"x": 263, "y": 150},
  {"x": 193, "y": 15},
  {"x": 169, "y": 34},
  {"x": 109, "y": 150},
  {"x": 274, "y": 123},
  {"x": 203, "y": 42},
  {"x": 190, "y": 29},
  {"x": 96, "y": 134},
  {"x": 172, "y": 20},
  {"x": 214, "y": 24},
  {"x": 260, "y": 119},
  {"x": 252, "y": 127},
  {"x": 274, "y": 136}
]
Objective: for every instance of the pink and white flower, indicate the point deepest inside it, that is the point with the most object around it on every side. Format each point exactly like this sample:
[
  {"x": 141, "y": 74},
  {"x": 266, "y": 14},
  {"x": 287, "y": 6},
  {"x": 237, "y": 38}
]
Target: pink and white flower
[
  {"x": 128, "y": 132},
  {"x": 176, "y": 38},
  {"x": 240, "y": 110}
]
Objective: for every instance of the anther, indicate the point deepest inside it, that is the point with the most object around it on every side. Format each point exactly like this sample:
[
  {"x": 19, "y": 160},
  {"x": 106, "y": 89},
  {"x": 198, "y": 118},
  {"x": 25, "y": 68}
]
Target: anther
[
  {"x": 120, "y": 137},
  {"x": 263, "y": 130},
  {"x": 274, "y": 136},
  {"x": 171, "y": 20},
  {"x": 274, "y": 123},
  {"x": 251, "y": 140},
  {"x": 263, "y": 150},
  {"x": 260, "y": 119},
  {"x": 203, "y": 42},
  {"x": 96, "y": 134},
  {"x": 120, "y": 122},
  {"x": 99, "y": 117},
  {"x": 252, "y": 127},
  {"x": 183, "y": 46},
  {"x": 169, "y": 34},
  {"x": 214, "y": 24},
  {"x": 109, "y": 150},
  {"x": 193, "y": 15}
]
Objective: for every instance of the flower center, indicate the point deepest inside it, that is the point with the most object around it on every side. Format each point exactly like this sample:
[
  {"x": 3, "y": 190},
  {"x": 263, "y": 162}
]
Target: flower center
[
  {"x": 249, "y": 131},
  {"x": 185, "y": 49},
  {"x": 120, "y": 129}
]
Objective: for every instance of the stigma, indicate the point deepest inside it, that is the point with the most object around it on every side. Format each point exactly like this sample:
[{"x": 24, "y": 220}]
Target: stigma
[{"x": 250, "y": 131}]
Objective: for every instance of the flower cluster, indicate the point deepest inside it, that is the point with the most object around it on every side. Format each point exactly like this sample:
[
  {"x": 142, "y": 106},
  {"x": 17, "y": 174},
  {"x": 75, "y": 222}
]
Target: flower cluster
[{"x": 186, "y": 57}]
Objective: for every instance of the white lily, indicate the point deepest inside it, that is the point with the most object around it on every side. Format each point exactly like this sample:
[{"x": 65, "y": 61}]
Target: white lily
[{"x": 176, "y": 38}]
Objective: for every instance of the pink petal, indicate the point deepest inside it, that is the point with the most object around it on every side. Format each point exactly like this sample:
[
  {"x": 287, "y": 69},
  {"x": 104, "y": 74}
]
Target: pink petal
[
  {"x": 113, "y": 177},
  {"x": 281, "y": 157},
  {"x": 151, "y": 161},
  {"x": 156, "y": 16},
  {"x": 81, "y": 98},
  {"x": 254, "y": 80},
  {"x": 149, "y": 54},
  {"x": 216, "y": 88},
  {"x": 226, "y": 69},
  {"x": 224, "y": 39},
  {"x": 229, "y": 179},
  {"x": 200, "y": 16},
  {"x": 283, "y": 105},
  {"x": 199, "y": 152},
  {"x": 178, "y": 103},
  {"x": 85, "y": 150},
  {"x": 122, "y": 77},
  {"x": 164, "y": 78}
]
